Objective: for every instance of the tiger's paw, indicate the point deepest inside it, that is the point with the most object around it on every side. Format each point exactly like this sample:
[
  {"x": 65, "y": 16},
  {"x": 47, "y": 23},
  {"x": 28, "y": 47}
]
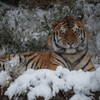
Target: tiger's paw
[{"x": 5, "y": 84}]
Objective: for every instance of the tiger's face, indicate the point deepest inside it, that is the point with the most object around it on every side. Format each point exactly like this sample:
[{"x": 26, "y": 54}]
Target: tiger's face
[{"x": 69, "y": 35}]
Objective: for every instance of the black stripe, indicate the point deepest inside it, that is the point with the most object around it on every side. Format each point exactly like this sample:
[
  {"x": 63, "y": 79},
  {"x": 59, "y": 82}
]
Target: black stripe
[
  {"x": 59, "y": 61},
  {"x": 20, "y": 59},
  {"x": 58, "y": 28},
  {"x": 41, "y": 65},
  {"x": 81, "y": 32},
  {"x": 64, "y": 22},
  {"x": 30, "y": 54},
  {"x": 79, "y": 26},
  {"x": 3, "y": 67},
  {"x": 91, "y": 68},
  {"x": 84, "y": 33},
  {"x": 31, "y": 60},
  {"x": 60, "y": 51},
  {"x": 32, "y": 65},
  {"x": 37, "y": 61},
  {"x": 79, "y": 60},
  {"x": 54, "y": 64},
  {"x": 25, "y": 55},
  {"x": 37, "y": 68},
  {"x": 86, "y": 64},
  {"x": 55, "y": 42},
  {"x": 67, "y": 61},
  {"x": 13, "y": 55},
  {"x": 51, "y": 62},
  {"x": 0, "y": 65}
]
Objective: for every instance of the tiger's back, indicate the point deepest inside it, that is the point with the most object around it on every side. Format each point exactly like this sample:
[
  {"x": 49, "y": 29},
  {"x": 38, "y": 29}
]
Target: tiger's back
[{"x": 35, "y": 60}]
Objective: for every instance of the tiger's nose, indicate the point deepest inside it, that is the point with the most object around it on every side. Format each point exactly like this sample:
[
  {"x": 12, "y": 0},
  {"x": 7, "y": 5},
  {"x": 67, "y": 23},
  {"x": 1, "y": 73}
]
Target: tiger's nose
[{"x": 70, "y": 43}]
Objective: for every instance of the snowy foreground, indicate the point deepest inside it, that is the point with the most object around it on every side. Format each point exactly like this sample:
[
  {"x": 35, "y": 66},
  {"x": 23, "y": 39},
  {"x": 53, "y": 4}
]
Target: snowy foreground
[{"x": 47, "y": 83}]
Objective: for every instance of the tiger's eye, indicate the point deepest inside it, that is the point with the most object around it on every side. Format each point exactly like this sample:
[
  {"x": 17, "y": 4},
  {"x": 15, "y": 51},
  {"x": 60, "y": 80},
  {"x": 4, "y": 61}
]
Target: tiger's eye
[
  {"x": 59, "y": 35},
  {"x": 61, "y": 32},
  {"x": 76, "y": 31}
]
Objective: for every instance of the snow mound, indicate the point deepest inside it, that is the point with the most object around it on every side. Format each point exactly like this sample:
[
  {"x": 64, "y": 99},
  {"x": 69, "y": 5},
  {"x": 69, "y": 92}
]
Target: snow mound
[{"x": 47, "y": 83}]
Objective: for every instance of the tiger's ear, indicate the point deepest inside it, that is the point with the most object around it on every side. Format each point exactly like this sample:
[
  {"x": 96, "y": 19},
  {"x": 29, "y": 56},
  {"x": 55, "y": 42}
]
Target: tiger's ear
[
  {"x": 53, "y": 24},
  {"x": 81, "y": 18}
]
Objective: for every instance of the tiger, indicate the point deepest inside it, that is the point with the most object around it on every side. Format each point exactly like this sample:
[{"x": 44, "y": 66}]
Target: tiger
[{"x": 68, "y": 47}]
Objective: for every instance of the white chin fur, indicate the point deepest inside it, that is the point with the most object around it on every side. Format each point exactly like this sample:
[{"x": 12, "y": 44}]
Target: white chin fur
[{"x": 70, "y": 51}]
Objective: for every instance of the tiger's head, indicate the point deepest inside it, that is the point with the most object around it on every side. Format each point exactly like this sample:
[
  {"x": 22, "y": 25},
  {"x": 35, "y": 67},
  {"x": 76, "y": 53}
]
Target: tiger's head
[{"x": 69, "y": 35}]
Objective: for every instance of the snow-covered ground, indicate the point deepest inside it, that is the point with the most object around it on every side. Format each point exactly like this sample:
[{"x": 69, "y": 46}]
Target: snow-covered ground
[
  {"x": 27, "y": 25},
  {"x": 47, "y": 83}
]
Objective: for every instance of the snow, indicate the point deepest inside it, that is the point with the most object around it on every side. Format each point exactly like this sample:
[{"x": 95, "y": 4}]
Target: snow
[
  {"x": 80, "y": 97},
  {"x": 47, "y": 83}
]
